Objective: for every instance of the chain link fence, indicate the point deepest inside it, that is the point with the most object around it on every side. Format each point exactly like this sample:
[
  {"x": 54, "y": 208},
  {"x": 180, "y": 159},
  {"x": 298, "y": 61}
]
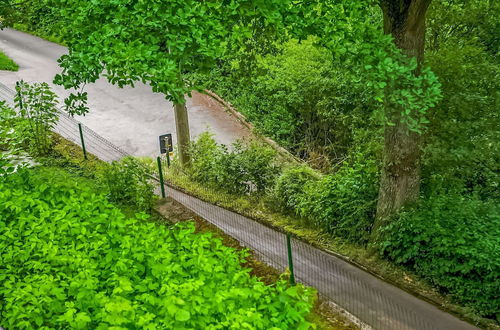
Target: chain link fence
[{"x": 373, "y": 302}]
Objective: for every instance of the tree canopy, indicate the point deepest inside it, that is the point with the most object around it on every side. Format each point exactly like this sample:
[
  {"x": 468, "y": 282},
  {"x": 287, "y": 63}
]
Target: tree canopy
[{"x": 156, "y": 41}]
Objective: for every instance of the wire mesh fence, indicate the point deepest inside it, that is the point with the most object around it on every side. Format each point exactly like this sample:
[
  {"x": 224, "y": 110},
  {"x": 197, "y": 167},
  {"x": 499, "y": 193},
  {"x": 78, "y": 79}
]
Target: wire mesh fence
[
  {"x": 68, "y": 127},
  {"x": 373, "y": 302}
]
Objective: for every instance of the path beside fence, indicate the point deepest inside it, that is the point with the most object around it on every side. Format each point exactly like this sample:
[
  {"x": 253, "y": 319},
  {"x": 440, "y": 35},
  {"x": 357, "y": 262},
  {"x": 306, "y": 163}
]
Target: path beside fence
[{"x": 374, "y": 302}]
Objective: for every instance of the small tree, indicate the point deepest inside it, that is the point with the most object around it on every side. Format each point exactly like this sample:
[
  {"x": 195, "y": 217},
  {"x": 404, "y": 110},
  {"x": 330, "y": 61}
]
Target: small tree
[
  {"x": 157, "y": 42},
  {"x": 37, "y": 105}
]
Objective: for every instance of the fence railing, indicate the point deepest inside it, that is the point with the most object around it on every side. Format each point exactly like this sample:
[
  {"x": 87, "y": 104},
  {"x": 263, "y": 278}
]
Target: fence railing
[{"x": 371, "y": 301}]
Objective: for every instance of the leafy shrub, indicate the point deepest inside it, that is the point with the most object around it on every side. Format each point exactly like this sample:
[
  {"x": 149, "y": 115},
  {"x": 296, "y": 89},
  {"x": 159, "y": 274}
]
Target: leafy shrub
[
  {"x": 462, "y": 143},
  {"x": 344, "y": 203},
  {"x": 290, "y": 185},
  {"x": 37, "y": 106},
  {"x": 12, "y": 154},
  {"x": 298, "y": 97},
  {"x": 70, "y": 259},
  {"x": 9, "y": 137},
  {"x": 42, "y": 18},
  {"x": 453, "y": 241},
  {"x": 243, "y": 169},
  {"x": 128, "y": 182}
]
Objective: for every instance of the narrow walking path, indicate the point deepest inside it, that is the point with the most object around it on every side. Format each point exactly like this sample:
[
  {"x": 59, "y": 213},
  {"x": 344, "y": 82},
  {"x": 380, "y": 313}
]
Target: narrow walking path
[{"x": 373, "y": 301}]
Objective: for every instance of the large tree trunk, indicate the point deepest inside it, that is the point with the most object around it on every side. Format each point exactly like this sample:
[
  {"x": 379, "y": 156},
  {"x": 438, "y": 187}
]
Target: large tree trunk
[
  {"x": 182, "y": 128},
  {"x": 400, "y": 180}
]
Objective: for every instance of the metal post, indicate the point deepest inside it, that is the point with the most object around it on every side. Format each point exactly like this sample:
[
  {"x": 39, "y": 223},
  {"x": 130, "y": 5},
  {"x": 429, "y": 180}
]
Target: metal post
[
  {"x": 162, "y": 185},
  {"x": 290, "y": 261},
  {"x": 19, "y": 95},
  {"x": 83, "y": 142}
]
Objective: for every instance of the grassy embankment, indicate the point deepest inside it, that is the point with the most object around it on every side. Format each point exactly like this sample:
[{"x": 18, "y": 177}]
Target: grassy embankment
[{"x": 6, "y": 63}]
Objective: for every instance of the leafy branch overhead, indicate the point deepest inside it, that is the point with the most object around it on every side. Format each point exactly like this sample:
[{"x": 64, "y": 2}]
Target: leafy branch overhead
[
  {"x": 156, "y": 42},
  {"x": 348, "y": 30}
]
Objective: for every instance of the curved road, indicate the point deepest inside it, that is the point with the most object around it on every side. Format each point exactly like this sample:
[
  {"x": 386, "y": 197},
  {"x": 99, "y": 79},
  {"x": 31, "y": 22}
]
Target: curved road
[{"x": 131, "y": 118}]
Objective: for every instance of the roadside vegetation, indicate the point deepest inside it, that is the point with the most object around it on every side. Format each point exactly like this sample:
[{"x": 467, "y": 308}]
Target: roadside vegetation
[
  {"x": 80, "y": 249},
  {"x": 72, "y": 259},
  {"x": 427, "y": 242},
  {"x": 6, "y": 63},
  {"x": 399, "y": 142}
]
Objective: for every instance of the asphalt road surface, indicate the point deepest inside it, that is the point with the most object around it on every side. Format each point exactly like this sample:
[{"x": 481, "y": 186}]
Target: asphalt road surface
[{"x": 131, "y": 118}]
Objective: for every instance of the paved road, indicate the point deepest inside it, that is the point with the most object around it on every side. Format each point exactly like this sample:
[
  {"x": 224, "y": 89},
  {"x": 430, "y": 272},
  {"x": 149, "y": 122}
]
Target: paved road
[{"x": 131, "y": 118}]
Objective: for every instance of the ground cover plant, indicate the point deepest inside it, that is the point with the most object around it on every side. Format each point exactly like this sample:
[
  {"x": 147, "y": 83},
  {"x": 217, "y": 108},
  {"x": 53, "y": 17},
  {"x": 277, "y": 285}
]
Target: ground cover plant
[
  {"x": 69, "y": 258},
  {"x": 6, "y": 63}
]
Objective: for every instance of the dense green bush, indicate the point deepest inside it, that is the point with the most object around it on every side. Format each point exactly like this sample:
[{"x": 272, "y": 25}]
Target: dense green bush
[
  {"x": 41, "y": 17},
  {"x": 453, "y": 241},
  {"x": 128, "y": 182},
  {"x": 462, "y": 138},
  {"x": 70, "y": 259},
  {"x": 37, "y": 107},
  {"x": 298, "y": 97},
  {"x": 344, "y": 203},
  {"x": 240, "y": 169},
  {"x": 290, "y": 186}
]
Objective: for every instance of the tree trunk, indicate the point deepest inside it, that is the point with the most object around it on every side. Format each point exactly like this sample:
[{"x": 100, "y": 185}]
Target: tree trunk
[
  {"x": 182, "y": 128},
  {"x": 400, "y": 180}
]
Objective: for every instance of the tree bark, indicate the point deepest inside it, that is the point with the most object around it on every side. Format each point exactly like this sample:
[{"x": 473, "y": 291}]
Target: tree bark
[
  {"x": 182, "y": 128},
  {"x": 400, "y": 179}
]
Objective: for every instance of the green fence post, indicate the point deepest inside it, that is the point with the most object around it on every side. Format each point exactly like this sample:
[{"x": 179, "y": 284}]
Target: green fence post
[
  {"x": 83, "y": 142},
  {"x": 19, "y": 96},
  {"x": 161, "y": 177},
  {"x": 290, "y": 261}
]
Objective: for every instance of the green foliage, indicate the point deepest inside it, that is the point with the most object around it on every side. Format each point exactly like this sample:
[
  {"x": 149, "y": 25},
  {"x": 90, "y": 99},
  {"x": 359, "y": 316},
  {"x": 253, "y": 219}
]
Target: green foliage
[
  {"x": 453, "y": 241},
  {"x": 70, "y": 259},
  {"x": 38, "y": 17},
  {"x": 37, "y": 106},
  {"x": 157, "y": 42},
  {"x": 6, "y": 63},
  {"x": 8, "y": 13},
  {"x": 241, "y": 169},
  {"x": 344, "y": 203},
  {"x": 463, "y": 138},
  {"x": 8, "y": 136},
  {"x": 12, "y": 155},
  {"x": 315, "y": 97},
  {"x": 290, "y": 185},
  {"x": 459, "y": 23},
  {"x": 128, "y": 182},
  {"x": 299, "y": 97},
  {"x": 353, "y": 32}
]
